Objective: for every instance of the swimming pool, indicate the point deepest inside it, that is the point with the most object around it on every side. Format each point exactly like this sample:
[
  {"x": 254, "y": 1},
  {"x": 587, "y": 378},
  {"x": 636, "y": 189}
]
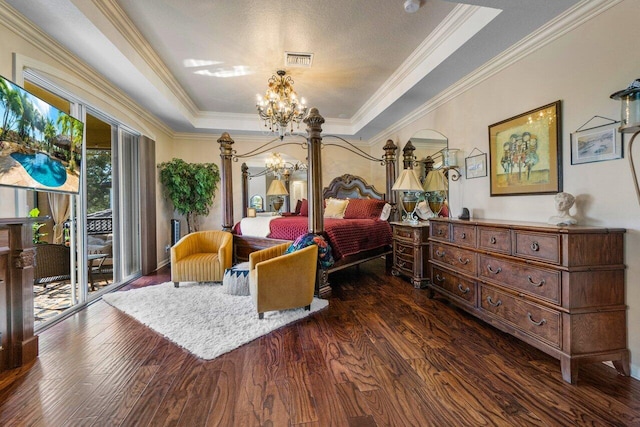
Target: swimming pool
[{"x": 42, "y": 168}]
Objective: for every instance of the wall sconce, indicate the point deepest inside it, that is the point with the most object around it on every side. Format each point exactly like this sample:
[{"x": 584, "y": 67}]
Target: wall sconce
[{"x": 630, "y": 119}]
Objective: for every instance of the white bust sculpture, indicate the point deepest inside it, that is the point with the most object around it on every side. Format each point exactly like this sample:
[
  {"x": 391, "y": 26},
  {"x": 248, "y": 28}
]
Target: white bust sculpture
[{"x": 564, "y": 201}]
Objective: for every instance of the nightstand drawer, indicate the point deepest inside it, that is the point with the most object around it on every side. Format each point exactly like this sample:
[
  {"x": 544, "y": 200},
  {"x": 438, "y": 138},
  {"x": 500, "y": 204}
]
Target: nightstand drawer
[
  {"x": 542, "y": 323},
  {"x": 494, "y": 239},
  {"x": 461, "y": 259}
]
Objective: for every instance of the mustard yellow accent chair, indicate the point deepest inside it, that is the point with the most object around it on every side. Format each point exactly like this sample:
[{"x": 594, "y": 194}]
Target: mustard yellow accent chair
[
  {"x": 201, "y": 256},
  {"x": 279, "y": 281}
]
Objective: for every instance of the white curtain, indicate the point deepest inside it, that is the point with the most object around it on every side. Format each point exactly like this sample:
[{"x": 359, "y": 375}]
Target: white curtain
[{"x": 60, "y": 205}]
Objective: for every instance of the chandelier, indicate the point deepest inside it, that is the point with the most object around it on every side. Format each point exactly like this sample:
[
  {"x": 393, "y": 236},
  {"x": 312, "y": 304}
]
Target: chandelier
[
  {"x": 280, "y": 107},
  {"x": 276, "y": 165}
]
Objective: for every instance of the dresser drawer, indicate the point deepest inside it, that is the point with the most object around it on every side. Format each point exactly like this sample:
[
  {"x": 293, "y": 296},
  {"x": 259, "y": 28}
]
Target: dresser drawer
[
  {"x": 462, "y": 289},
  {"x": 439, "y": 230},
  {"x": 494, "y": 239},
  {"x": 464, "y": 235},
  {"x": 542, "y": 323},
  {"x": 411, "y": 235},
  {"x": 403, "y": 262},
  {"x": 539, "y": 282},
  {"x": 460, "y": 259},
  {"x": 544, "y": 247}
]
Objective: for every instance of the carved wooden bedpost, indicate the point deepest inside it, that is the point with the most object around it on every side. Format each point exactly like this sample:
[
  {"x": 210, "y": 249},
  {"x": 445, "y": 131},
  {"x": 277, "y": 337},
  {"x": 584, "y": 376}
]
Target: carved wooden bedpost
[
  {"x": 245, "y": 188},
  {"x": 314, "y": 123},
  {"x": 390, "y": 163},
  {"x": 226, "y": 153},
  {"x": 407, "y": 154}
]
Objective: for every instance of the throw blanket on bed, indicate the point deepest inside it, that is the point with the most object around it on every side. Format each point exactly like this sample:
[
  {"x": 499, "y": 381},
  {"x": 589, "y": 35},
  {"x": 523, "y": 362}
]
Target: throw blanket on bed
[
  {"x": 346, "y": 236},
  {"x": 256, "y": 227}
]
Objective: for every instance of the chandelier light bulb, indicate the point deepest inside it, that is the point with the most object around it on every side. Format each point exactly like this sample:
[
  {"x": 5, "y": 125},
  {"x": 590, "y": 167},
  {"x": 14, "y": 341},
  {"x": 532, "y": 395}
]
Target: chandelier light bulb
[{"x": 280, "y": 107}]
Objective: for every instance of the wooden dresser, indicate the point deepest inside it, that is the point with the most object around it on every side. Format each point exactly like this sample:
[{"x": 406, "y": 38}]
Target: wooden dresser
[
  {"x": 560, "y": 289},
  {"x": 411, "y": 252}
]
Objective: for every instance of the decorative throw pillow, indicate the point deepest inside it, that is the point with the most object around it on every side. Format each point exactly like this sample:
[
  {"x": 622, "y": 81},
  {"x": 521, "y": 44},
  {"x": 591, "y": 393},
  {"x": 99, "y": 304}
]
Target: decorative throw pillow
[
  {"x": 325, "y": 258},
  {"x": 364, "y": 208},
  {"x": 386, "y": 211},
  {"x": 424, "y": 211},
  {"x": 304, "y": 207},
  {"x": 298, "y": 206},
  {"x": 335, "y": 208}
]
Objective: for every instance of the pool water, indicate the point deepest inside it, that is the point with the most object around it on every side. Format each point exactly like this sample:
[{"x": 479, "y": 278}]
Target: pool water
[{"x": 43, "y": 169}]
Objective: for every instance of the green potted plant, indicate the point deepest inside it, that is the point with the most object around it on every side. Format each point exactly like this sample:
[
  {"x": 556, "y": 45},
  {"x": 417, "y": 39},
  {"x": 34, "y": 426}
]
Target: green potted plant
[
  {"x": 36, "y": 226},
  {"x": 191, "y": 188}
]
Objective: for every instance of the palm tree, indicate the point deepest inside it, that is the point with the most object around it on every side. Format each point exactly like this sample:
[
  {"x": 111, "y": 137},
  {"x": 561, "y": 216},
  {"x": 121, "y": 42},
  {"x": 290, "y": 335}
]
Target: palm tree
[
  {"x": 50, "y": 133},
  {"x": 25, "y": 121},
  {"x": 70, "y": 127},
  {"x": 12, "y": 107}
]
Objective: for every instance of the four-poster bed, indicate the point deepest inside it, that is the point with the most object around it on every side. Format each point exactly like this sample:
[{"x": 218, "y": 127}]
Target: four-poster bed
[{"x": 346, "y": 186}]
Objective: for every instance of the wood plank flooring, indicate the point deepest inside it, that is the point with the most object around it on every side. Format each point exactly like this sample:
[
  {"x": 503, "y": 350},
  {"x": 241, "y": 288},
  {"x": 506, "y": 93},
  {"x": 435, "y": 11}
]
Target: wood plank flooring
[{"x": 381, "y": 354}]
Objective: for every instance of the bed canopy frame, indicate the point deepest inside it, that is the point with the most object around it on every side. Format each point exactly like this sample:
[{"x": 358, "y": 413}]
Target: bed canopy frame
[{"x": 315, "y": 192}]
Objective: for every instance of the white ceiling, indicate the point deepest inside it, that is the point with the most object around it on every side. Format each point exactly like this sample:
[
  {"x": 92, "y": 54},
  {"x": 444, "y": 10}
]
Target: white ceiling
[{"x": 373, "y": 62}]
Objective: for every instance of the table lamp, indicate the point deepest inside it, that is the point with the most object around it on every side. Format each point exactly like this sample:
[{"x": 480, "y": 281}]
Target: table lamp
[
  {"x": 436, "y": 184},
  {"x": 409, "y": 183},
  {"x": 277, "y": 190}
]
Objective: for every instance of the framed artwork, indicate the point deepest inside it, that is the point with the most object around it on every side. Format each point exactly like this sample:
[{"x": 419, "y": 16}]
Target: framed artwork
[
  {"x": 475, "y": 166},
  {"x": 596, "y": 144},
  {"x": 525, "y": 153}
]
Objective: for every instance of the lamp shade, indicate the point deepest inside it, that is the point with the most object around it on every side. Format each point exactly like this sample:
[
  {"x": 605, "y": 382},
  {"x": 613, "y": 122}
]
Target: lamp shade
[
  {"x": 630, "y": 99},
  {"x": 435, "y": 181},
  {"x": 277, "y": 189},
  {"x": 407, "y": 181}
]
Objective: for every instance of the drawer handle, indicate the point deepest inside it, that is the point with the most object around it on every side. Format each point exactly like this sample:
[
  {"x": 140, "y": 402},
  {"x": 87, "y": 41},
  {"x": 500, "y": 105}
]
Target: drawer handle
[
  {"x": 534, "y": 283},
  {"x": 464, "y": 291},
  {"x": 491, "y": 270},
  {"x": 440, "y": 232},
  {"x": 401, "y": 249},
  {"x": 463, "y": 235},
  {"x": 439, "y": 253},
  {"x": 535, "y": 246},
  {"x": 495, "y": 304},
  {"x": 493, "y": 240},
  {"x": 463, "y": 262},
  {"x": 439, "y": 279},
  {"x": 401, "y": 263},
  {"x": 540, "y": 323}
]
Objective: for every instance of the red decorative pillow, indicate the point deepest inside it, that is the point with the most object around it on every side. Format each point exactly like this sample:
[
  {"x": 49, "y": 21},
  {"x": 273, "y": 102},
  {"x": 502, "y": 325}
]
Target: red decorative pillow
[
  {"x": 364, "y": 209},
  {"x": 304, "y": 208}
]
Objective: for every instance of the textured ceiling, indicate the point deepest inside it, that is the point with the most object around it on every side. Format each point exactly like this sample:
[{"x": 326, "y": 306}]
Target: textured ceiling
[{"x": 198, "y": 64}]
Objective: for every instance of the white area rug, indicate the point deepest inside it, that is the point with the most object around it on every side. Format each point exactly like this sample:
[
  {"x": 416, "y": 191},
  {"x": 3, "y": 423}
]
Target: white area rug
[{"x": 201, "y": 318}]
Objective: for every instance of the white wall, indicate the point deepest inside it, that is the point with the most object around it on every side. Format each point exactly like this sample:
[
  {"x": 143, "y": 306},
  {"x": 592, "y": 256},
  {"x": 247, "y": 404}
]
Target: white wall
[{"x": 581, "y": 68}]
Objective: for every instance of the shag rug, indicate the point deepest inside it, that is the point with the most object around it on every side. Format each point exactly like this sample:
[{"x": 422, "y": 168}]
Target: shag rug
[{"x": 202, "y": 318}]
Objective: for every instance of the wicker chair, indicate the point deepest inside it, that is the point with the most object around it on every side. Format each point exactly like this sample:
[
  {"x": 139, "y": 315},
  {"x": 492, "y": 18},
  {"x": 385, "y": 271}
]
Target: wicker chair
[
  {"x": 53, "y": 264},
  {"x": 201, "y": 256}
]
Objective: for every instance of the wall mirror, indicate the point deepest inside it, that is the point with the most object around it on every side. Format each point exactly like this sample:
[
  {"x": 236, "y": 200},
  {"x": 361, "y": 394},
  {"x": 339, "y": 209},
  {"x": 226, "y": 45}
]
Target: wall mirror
[
  {"x": 291, "y": 172},
  {"x": 424, "y": 152}
]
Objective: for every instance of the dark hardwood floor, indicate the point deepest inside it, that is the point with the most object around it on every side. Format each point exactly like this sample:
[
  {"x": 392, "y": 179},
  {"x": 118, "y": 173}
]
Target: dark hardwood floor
[{"x": 381, "y": 354}]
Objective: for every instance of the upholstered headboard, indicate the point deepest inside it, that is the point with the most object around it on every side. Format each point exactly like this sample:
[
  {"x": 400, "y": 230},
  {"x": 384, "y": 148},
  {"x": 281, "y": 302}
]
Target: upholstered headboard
[{"x": 351, "y": 187}]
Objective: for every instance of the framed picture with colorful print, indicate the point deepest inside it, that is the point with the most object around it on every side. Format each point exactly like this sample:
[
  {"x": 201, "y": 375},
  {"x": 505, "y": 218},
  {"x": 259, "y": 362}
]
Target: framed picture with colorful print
[{"x": 525, "y": 153}]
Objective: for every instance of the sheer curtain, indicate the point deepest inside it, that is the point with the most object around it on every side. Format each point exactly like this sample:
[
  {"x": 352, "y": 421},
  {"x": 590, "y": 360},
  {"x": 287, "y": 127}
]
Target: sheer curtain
[{"x": 60, "y": 210}]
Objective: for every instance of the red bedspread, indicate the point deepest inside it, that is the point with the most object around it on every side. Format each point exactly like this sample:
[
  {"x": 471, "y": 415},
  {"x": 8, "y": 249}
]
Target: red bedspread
[{"x": 346, "y": 236}]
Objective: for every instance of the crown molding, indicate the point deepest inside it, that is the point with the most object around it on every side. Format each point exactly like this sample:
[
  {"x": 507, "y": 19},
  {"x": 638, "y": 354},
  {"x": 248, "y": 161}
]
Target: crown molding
[
  {"x": 127, "y": 29},
  {"x": 457, "y": 28},
  {"x": 572, "y": 18},
  {"x": 65, "y": 60}
]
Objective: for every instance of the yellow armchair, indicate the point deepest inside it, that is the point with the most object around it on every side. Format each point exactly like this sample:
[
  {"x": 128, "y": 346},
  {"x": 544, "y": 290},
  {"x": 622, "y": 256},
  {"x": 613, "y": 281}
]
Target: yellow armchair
[
  {"x": 280, "y": 281},
  {"x": 201, "y": 256}
]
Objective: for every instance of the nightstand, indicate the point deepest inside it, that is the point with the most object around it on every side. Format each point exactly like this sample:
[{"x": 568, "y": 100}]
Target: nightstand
[{"x": 411, "y": 252}]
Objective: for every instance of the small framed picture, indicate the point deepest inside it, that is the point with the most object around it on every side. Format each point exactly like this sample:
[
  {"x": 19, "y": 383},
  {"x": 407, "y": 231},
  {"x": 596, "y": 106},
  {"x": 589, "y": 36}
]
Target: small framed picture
[
  {"x": 475, "y": 166},
  {"x": 596, "y": 144}
]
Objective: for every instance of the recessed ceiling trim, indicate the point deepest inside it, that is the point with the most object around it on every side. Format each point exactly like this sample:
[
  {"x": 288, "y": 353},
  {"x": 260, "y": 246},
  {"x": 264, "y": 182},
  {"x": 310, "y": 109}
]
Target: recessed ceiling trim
[{"x": 458, "y": 27}]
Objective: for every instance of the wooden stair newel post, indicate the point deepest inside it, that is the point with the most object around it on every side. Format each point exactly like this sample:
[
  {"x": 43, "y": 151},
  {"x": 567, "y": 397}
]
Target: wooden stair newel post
[
  {"x": 226, "y": 155},
  {"x": 314, "y": 123}
]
